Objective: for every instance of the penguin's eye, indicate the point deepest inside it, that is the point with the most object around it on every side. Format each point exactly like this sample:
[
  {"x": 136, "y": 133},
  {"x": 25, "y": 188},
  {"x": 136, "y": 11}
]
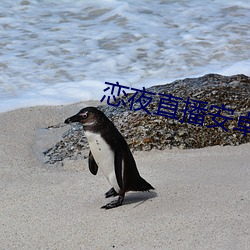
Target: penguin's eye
[{"x": 84, "y": 115}]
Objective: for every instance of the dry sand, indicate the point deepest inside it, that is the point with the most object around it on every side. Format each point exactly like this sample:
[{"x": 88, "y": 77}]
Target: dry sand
[{"x": 201, "y": 201}]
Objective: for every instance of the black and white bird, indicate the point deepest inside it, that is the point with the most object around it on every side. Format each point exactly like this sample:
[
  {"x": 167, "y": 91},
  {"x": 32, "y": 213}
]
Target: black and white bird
[{"x": 110, "y": 152}]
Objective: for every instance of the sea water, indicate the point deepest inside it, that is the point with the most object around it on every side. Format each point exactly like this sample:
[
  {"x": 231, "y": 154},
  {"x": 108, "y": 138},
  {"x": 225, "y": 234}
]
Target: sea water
[{"x": 61, "y": 52}]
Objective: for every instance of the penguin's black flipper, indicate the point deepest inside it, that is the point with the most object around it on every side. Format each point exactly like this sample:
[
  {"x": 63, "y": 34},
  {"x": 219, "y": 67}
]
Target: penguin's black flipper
[
  {"x": 93, "y": 167},
  {"x": 111, "y": 193},
  {"x": 118, "y": 166}
]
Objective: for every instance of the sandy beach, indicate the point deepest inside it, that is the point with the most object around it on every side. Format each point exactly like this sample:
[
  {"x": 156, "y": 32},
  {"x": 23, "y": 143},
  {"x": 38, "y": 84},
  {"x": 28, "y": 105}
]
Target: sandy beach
[{"x": 201, "y": 198}]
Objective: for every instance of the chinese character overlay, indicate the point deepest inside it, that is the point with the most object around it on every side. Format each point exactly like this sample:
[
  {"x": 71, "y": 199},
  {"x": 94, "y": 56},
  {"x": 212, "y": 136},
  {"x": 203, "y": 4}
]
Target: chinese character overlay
[
  {"x": 168, "y": 106},
  {"x": 218, "y": 115},
  {"x": 241, "y": 126},
  {"x": 141, "y": 97},
  {"x": 194, "y": 112},
  {"x": 118, "y": 87}
]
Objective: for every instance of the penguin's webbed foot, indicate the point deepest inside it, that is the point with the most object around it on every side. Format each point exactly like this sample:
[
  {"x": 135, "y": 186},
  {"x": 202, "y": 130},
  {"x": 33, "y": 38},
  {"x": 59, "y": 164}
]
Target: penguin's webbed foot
[
  {"x": 113, "y": 204},
  {"x": 111, "y": 193}
]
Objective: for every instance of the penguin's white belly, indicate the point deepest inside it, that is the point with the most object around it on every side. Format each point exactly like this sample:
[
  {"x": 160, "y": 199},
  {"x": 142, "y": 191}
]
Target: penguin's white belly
[{"x": 104, "y": 157}]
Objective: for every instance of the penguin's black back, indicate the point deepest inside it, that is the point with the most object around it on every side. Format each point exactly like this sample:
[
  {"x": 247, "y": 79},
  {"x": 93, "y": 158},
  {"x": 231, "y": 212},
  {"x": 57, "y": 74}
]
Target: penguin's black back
[
  {"x": 131, "y": 178},
  {"x": 131, "y": 181}
]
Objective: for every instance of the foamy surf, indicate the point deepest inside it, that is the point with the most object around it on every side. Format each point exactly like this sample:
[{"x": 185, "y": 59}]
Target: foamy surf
[{"x": 55, "y": 53}]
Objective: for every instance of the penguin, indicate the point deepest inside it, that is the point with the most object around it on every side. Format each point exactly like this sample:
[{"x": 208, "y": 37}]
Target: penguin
[{"x": 110, "y": 152}]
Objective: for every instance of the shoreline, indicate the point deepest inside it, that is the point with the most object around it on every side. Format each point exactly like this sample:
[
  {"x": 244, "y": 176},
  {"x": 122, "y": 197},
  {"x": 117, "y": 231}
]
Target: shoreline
[{"x": 201, "y": 198}]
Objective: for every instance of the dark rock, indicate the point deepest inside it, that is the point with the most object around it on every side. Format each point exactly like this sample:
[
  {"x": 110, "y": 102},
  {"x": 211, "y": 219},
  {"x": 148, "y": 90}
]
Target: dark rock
[{"x": 147, "y": 131}]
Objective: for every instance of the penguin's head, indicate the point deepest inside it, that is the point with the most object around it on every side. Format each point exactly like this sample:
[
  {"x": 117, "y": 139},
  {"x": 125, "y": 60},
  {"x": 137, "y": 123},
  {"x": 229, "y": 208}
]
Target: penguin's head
[{"x": 88, "y": 117}]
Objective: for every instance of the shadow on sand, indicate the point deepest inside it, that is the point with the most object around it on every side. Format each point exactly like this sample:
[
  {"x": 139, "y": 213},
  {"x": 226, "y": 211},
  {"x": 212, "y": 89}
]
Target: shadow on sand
[{"x": 138, "y": 198}]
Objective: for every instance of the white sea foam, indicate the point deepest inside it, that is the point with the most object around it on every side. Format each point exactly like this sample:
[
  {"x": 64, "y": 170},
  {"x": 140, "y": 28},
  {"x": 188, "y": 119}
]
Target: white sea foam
[{"x": 60, "y": 52}]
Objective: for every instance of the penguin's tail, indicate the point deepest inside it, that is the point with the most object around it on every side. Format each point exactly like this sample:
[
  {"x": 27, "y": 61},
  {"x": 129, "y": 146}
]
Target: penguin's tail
[{"x": 141, "y": 185}]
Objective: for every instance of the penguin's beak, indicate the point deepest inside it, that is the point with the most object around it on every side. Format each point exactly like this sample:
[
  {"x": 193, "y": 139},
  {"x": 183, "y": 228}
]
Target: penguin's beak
[{"x": 74, "y": 118}]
